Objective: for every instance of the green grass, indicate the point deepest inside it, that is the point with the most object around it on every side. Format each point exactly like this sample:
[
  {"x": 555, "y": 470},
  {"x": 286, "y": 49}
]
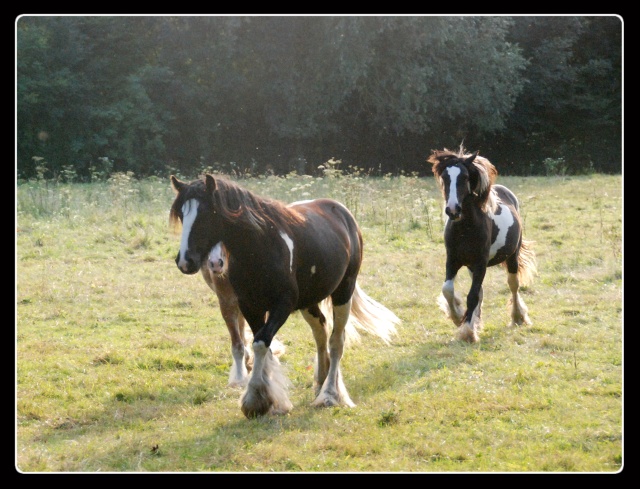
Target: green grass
[{"x": 122, "y": 361}]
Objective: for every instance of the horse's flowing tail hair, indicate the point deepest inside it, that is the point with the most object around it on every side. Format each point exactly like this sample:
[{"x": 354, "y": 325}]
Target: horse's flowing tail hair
[
  {"x": 366, "y": 315},
  {"x": 527, "y": 263}
]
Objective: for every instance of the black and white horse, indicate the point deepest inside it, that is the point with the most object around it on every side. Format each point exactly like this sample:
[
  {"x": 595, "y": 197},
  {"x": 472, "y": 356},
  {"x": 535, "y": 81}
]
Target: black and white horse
[
  {"x": 281, "y": 259},
  {"x": 483, "y": 229}
]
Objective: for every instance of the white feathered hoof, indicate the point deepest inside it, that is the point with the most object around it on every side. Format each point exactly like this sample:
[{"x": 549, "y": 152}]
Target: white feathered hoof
[
  {"x": 519, "y": 320},
  {"x": 325, "y": 400},
  {"x": 333, "y": 394},
  {"x": 238, "y": 382},
  {"x": 267, "y": 388},
  {"x": 255, "y": 401},
  {"x": 468, "y": 333},
  {"x": 519, "y": 313},
  {"x": 258, "y": 401}
]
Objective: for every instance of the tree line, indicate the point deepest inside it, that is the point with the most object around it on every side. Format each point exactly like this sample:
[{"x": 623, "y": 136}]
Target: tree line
[{"x": 256, "y": 94}]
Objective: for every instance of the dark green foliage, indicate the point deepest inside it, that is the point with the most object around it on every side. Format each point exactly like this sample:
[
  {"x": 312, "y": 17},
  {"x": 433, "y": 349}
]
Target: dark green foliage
[
  {"x": 154, "y": 95},
  {"x": 571, "y": 107}
]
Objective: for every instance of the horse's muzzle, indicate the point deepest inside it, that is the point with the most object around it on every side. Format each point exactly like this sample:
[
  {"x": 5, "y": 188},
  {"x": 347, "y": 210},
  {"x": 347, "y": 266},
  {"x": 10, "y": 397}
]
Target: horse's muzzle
[
  {"x": 216, "y": 266},
  {"x": 454, "y": 215},
  {"x": 187, "y": 265}
]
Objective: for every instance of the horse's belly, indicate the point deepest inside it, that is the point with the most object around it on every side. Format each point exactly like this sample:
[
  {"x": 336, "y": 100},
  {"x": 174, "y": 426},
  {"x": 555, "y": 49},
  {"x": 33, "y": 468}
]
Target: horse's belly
[{"x": 315, "y": 284}]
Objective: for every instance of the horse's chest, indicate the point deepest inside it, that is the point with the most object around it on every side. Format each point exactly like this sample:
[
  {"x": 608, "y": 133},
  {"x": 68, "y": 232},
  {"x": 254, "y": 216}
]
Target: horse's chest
[{"x": 491, "y": 237}]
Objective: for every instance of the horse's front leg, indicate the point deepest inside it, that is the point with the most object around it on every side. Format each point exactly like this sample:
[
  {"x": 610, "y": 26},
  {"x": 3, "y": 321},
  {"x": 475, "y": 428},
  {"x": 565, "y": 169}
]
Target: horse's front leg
[
  {"x": 450, "y": 301},
  {"x": 333, "y": 391},
  {"x": 472, "y": 323},
  {"x": 267, "y": 389}
]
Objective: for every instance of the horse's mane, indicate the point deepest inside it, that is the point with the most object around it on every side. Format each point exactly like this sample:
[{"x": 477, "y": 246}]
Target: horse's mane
[
  {"x": 485, "y": 197},
  {"x": 239, "y": 206}
]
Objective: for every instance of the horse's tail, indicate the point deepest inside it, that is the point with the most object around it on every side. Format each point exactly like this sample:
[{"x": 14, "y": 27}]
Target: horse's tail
[
  {"x": 527, "y": 263},
  {"x": 366, "y": 315}
]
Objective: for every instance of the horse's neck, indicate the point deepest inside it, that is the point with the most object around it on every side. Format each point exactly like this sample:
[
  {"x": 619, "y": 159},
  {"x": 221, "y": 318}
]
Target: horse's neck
[
  {"x": 237, "y": 238},
  {"x": 470, "y": 205}
]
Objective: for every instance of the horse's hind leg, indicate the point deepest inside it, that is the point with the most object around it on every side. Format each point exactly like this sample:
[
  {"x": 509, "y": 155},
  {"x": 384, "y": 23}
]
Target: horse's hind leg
[
  {"x": 319, "y": 327},
  {"x": 519, "y": 311},
  {"x": 333, "y": 391}
]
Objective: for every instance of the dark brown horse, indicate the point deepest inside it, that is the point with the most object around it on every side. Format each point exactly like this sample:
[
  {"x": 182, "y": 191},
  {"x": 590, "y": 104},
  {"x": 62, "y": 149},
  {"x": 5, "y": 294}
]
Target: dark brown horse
[
  {"x": 214, "y": 272},
  {"x": 483, "y": 229},
  {"x": 281, "y": 259}
]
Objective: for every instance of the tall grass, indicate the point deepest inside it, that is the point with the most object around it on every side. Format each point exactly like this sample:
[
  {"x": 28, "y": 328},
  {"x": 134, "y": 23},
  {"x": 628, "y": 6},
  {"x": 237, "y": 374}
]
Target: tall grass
[{"x": 122, "y": 361}]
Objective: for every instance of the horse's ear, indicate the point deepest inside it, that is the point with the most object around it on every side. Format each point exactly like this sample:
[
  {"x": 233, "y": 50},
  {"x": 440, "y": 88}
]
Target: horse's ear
[
  {"x": 474, "y": 174},
  {"x": 177, "y": 184},
  {"x": 470, "y": 159},
  {"x": 210, "y": 183}
]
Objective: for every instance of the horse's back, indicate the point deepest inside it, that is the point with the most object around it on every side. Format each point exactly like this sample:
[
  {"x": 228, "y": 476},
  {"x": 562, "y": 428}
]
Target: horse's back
[
  {"x": 506, "y": 231},
  {"x": 506, "y": 196},
  {"x": 329, "y": 251},
  {"x": 325, "y": 218},
  {"x": 325, "y": 207}
]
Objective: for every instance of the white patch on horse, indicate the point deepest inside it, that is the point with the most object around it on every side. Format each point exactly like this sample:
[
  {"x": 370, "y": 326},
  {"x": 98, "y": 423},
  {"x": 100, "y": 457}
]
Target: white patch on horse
[
  {"x": 447, "y": 287},
  {"x": 453, "y": 194},
  {"x": 289, "y": 243},
  {"x": 503, "y": 222},
  {"x": 189, "y": 214},
  {"x": 216, "y": 261},
  {"x": 298, "y": 202}
]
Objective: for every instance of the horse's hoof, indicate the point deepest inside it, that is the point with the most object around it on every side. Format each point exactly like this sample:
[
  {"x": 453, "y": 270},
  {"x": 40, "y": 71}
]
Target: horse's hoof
[
  {"x": 280, "y": 410},
  {"x": 255, "y": 402},
  {"x": 323, "y": 401},
  {"x": 468, "y": 334},
  {"x": 521, "y": 320},
  {"x": 255, "y": 411},
  {"x": 251, "y": 414}
]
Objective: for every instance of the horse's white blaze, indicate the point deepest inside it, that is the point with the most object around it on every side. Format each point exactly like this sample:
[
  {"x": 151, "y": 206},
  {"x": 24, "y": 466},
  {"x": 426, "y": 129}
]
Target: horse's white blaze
[
  {"x": 289, "y": 243},
  {"x": 216, "y": 261},
  {"x": 503, "y": 222},
  {"x": 453, "y": 193},
  {"x": 189, "y": 214}
]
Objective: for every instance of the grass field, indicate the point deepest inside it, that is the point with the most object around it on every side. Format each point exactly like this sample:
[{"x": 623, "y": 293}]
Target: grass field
[{"x": 122, "y": 361}]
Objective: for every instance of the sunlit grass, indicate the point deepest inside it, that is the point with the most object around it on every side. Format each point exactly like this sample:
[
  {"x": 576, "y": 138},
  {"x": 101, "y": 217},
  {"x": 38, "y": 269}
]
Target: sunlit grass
[{"x": 122, "y": 361}]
